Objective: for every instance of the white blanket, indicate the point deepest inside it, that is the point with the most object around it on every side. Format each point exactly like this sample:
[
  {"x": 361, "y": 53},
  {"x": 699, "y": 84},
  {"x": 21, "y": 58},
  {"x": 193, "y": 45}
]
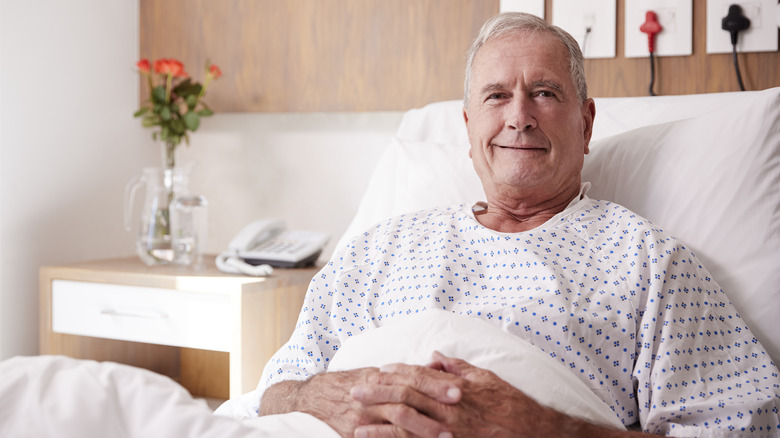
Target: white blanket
[{"x": 57, "y": 396}]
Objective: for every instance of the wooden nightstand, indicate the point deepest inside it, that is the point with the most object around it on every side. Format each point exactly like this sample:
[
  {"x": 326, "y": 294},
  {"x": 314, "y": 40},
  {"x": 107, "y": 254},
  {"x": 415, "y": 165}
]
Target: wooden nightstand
[{"x": 212, "y": 332}]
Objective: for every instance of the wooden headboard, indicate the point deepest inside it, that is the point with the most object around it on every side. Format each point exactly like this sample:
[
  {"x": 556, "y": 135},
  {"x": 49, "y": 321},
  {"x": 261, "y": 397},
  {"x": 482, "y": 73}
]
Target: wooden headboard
[{"x": 376, "y": 55}]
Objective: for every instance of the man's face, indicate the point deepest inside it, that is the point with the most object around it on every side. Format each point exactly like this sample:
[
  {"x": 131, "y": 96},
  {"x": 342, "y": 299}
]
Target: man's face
[{"x": 528, "y": 130}]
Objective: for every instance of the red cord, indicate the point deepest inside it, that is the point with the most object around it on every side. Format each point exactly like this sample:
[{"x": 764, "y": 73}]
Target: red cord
[{"x": 651, "y": 26}]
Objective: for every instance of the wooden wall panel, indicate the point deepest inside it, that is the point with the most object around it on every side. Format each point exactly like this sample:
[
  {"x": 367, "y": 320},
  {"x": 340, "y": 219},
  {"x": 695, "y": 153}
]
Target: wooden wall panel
[
  {"x": 369, "y": 55},
  {"x": 319, "y": 55}
]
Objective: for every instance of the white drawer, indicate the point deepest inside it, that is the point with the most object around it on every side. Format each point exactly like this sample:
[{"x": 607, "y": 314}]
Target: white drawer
[{"x": 142, "y": 314}]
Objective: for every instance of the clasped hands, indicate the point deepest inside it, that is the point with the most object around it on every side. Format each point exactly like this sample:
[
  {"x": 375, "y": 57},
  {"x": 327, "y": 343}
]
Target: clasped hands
[{"x": 449, "y": 397}]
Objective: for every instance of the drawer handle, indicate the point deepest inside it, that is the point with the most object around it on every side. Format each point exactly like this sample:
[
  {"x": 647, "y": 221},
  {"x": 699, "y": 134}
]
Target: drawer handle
[{"x": 134, "y": 314}]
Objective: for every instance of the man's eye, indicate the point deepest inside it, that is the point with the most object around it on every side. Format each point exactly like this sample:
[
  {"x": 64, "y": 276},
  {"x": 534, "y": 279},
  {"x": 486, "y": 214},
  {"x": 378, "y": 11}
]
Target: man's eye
[
  {"x": 495, "y": 97},
  {"x": 545, "y": 93}
]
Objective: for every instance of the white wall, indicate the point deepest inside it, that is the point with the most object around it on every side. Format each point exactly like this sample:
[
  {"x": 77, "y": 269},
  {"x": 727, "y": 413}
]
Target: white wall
[
  {"x": 69, "y": 144},
  {"x": 308, "y": 169}
]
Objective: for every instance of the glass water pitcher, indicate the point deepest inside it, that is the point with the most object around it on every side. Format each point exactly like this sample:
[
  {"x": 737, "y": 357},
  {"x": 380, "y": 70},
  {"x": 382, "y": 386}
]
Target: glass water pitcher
[{"x": 153, "y": 242}]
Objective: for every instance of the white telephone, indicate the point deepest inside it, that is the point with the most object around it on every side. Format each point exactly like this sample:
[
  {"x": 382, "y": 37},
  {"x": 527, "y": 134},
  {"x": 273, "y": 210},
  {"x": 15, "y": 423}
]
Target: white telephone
[{"x": 264, "y": 244}]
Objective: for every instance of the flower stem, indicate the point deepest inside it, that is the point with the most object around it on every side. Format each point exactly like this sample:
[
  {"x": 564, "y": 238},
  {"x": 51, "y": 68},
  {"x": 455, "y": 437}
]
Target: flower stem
[
  {"x": 168, "y": 83},
  {"x": 169, "y": 154},
  {"x": 203, "y": 88},
  {"x": 151, "y": 86}
]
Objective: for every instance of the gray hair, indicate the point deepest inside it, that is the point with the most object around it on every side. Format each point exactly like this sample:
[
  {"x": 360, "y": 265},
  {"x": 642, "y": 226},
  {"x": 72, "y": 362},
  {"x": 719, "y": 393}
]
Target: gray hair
[{"x": 508, "y": 22}]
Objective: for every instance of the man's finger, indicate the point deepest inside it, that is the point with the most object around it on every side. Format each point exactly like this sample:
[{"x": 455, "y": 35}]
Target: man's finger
[
  {"x": 401, "y": 405},
  {"x": 391, "y": 431},
  {"x": 369, "y": 394},
  {"x": 451, "y": 365},
  {"x": 439, "y": 386}
]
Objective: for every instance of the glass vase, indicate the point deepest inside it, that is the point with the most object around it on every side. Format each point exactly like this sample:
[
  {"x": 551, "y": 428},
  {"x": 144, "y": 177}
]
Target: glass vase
[{"x": 154, "y": 243}]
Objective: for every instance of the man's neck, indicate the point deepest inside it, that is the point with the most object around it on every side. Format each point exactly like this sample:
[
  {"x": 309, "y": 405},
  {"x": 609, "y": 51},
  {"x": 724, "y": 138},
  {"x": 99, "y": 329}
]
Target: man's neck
[{"x": 518, "y": 216}]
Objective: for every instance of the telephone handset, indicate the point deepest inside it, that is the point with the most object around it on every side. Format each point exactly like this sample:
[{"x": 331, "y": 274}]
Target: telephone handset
[{"x": 265, "y": 243}]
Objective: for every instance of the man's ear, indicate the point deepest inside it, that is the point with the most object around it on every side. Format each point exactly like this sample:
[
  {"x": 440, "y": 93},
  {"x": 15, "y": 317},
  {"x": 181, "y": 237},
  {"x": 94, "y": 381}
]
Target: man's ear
[
  {"x": 466, "y": 121},
  {"x": 588, "y": 117}
]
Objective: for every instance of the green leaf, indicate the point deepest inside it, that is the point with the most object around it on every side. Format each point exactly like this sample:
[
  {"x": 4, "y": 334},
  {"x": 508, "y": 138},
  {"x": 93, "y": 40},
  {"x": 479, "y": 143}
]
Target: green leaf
[
  {"x": 195, "y": 89},
  {"x": 187, "y": 88},
  {"x": 158, "y": 94},
  {"x": 165, "y": 113},
  {"x": 192, "y": 100},
  {"x": 205, "y": 112},
  {"x": 178, "y": 127},
  {"x": 141, "y": 111},
  {"x": 150, "y": 121},
  {"x": 182, "y": 86},
  {"x": 192, "y": 120}
]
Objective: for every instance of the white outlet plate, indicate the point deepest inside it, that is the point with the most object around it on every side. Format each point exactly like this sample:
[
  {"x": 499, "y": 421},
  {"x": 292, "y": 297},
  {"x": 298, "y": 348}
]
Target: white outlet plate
[
  {"x": 574, "y": 16},
  {"x": 761, "y": 36},
  {"x": 676, "y": 19},
  {"x": 535, "y": 7}
]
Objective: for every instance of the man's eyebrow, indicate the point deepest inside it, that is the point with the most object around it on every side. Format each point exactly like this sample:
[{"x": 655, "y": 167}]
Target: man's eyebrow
[
  {"x": 495, "y": 86},
  {"x": 548, "y": 84},
  {"x": 498, "y": 86}
]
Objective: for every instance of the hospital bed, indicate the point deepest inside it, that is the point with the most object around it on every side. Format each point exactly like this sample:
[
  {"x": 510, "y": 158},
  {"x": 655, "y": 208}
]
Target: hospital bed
[{"x": 704, "y": 167}]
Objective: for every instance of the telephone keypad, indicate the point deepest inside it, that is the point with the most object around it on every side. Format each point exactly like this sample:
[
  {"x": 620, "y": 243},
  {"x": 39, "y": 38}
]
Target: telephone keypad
[{"x": 287, "y": 244}]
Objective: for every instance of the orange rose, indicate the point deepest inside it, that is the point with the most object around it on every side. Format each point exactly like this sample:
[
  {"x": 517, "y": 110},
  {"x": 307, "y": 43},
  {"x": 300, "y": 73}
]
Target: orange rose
[
  {"x": 214, "y": 71},
  {"x": 178, "y": 69},
  {"x": 169, "y": 67},
  {"x": 143, "y": 65},
  {"x": 161, "y": 66}
]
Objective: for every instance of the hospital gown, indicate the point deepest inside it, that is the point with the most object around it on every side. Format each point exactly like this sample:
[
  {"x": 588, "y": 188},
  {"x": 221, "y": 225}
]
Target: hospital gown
[{"x": 626, "y": 307}]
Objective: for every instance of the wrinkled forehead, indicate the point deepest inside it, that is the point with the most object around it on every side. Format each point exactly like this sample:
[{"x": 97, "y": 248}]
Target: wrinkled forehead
[{"x": 534, "y": 56}]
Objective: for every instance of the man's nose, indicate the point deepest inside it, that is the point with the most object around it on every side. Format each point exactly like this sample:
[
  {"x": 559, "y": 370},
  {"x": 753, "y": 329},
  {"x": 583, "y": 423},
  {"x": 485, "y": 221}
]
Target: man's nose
[{"x": 521, "y": 115}]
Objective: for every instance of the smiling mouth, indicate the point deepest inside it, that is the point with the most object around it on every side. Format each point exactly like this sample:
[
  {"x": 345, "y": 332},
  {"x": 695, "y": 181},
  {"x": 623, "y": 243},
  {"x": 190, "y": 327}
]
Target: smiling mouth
[{"x": 521, "y": 147}]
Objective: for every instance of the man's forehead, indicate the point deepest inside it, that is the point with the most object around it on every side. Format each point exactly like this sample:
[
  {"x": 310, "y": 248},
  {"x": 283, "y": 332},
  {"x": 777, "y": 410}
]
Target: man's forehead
[
  {"x": 541, "y": 58},
  {"x": 510, "y": 42},
  {"x": 524, "y": 35}
]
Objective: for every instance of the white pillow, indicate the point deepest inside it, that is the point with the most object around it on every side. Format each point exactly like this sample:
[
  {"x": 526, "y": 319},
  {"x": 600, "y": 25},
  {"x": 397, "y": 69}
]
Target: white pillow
[
  {"x": 412, "y": 176},
  {"x": 714, "y": 182},
  {"x": 413, "y": 339},
  {"x": 615, "y": 115},
  {"x": 438, "y": 122}
]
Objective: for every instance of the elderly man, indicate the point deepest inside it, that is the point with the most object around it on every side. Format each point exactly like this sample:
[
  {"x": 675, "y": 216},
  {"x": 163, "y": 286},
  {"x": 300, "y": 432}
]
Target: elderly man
[{"x": 627, "y": 307}]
